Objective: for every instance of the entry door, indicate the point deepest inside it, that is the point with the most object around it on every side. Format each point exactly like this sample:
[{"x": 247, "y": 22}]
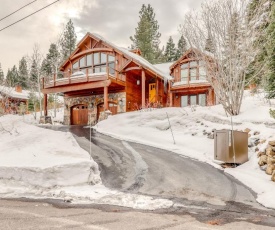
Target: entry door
[
  {"x": 152, "y": 92},
  {"x": 80, "y": 115}
]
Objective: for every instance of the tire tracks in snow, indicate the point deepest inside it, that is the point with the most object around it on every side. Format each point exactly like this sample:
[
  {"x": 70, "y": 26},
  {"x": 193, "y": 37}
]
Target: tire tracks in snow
[{"x": 141, "y": 168}]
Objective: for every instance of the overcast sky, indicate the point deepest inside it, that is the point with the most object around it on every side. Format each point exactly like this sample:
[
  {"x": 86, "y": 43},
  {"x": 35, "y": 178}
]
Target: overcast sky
[{"x": 115, "y": 20}]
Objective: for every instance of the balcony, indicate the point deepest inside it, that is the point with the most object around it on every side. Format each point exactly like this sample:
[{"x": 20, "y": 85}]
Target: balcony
[
  {"x": 190, "y": 84},
  {"x": 85, "y": 75}
]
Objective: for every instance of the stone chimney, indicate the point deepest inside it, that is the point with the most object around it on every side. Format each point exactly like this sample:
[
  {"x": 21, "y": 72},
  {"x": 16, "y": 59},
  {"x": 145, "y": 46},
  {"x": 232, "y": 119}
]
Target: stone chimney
[{"x": 18, "y": 89}]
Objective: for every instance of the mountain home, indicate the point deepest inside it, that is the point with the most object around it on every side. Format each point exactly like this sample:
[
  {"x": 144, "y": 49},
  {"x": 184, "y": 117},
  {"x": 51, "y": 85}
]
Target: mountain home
[{"x": 100, "y": 76}]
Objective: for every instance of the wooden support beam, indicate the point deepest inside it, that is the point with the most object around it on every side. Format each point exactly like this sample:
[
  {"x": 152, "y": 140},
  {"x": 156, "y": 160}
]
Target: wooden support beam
[
  {"x": 45, "y": 105},
  {"x": 76, "y": 87},
  {"x": 171, "y": 99},
  {"x": 143, "y": 88},
  {"x": 106, "y": 104}
]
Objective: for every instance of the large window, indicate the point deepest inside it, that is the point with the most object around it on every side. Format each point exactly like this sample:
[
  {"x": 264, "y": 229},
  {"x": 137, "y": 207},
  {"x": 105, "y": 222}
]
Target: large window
[
  {"x": 196, "y": 99},
  {"x": 95, "y": 63},
  {"x": 192, "y": 71}
]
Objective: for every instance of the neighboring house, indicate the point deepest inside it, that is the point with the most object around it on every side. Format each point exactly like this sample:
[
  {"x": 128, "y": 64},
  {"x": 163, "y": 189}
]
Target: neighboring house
[
  {"x": 189, "y": 85},
  {"x": 100, "y": 76},
  {"x": 13, "y": 100}
]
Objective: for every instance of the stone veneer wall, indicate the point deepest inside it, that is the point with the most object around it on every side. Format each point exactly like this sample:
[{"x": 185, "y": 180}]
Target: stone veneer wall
[{"x": 92, "y": 102}]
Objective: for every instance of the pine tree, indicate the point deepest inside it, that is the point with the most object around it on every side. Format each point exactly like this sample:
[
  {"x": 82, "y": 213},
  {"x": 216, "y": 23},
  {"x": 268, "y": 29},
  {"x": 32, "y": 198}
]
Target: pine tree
[
  {"x": 1, "y": 76},
  {"x": 68, "y": 40},
  {"x": 33, "y": 75},
  {"x": 182, "y": 47},
  {"x": 147, "y": 37},
  {"x": 23, "y": 73},
  {"x": 12, "y": 77},
  {"x": 270, "y": 48},
  {"x": 170, "y": 50},
  {"x": 52, "y": 61},
  {"x": 257, "y": 73},
  {"x": 209, "y": 46}
]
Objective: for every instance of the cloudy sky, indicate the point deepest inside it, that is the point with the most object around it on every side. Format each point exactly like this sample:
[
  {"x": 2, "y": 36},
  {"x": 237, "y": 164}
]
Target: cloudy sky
[{"x": 115, "y": 20}]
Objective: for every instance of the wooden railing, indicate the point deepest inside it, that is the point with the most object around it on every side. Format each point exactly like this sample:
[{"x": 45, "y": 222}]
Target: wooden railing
[{"x": 88, "y": 74}]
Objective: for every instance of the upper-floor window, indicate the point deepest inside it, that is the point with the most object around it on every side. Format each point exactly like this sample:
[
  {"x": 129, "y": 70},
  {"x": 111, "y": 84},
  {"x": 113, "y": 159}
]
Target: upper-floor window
[
  {"x": 192, "y": 71},
  {"x": 95, "y": 63}
]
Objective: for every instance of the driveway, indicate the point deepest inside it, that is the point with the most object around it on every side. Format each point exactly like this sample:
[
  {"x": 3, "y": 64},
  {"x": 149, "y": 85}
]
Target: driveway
[{"x": 196, "y": 188}]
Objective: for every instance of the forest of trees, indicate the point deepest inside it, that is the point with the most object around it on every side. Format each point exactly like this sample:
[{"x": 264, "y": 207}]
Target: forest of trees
[{"x": 30, "y": 68}]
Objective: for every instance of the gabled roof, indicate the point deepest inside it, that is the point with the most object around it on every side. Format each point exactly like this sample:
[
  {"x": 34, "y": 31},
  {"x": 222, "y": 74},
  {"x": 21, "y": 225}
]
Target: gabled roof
[
  {"x": 191, "y": 50},
  {"x": 140, "y": 61},
  {"x": 11, "y": 92},
  {"x": 194, "y": 51}
]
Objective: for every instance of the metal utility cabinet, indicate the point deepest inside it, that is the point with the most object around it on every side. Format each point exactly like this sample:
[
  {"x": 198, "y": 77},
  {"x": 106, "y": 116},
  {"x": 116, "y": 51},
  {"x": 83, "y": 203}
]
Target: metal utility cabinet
[{"x": 224, "y": 149}]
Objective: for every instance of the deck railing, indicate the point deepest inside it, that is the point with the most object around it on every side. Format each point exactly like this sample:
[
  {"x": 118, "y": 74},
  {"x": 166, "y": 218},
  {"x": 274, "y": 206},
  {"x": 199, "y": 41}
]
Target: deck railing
[{"x": 87, "y": 74}]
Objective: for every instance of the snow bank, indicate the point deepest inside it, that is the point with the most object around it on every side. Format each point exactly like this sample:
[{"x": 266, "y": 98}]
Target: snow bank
[
  {"x": 41, "y": 157},
  {"x": 41, "y": 163},
  {"x": 191, "y": 126}
]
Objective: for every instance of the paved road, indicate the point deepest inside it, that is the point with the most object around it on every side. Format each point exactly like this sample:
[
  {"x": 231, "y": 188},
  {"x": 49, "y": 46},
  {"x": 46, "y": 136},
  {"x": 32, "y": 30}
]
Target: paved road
[
  {"x": 200, "y": 191},
  {"x": 42, "y": 215}
]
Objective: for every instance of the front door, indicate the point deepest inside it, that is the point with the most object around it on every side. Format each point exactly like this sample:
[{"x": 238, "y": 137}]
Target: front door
[
  {"x": 152, "y": 92},
  {"x": 79, "y": 115}
]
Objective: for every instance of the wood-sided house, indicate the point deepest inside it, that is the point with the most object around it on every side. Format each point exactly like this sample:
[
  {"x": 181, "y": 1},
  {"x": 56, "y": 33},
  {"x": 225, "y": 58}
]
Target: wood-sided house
[
  {"x": 13, "y": 100},
  {"x": 189, "y": 85},
  {"x": 100, "y": 76}
]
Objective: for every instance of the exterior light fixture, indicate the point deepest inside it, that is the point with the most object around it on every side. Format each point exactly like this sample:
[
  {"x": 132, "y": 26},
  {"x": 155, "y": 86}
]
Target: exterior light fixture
[
  {"x": 116, "y": 61},
  {"x": 138, "y": 82}
]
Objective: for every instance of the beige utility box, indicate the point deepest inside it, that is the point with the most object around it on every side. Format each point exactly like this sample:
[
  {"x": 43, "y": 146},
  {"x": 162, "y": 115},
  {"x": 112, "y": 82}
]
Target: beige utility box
[{"x": 224, "y": 149}]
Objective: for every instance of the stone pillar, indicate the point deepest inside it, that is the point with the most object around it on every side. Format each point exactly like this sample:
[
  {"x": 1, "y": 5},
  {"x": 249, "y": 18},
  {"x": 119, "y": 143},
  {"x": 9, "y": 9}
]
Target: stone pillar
[{"x": 143, "y": 89}]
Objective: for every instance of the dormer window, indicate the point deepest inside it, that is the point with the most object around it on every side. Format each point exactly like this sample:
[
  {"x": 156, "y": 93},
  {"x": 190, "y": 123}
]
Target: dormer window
[{"x": 192, "y": 71}]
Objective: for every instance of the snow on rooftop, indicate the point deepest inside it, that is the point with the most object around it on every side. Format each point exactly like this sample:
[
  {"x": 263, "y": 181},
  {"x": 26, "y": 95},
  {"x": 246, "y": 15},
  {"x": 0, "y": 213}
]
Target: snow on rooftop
[
  {"x": 135, "y": 57},
  {"x": 11, "y": 92},
  {"x": 164, "y": 67}
]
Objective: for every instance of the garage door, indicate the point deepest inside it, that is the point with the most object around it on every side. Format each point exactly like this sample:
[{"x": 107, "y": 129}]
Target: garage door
[
  {"x": 79, "y": 115},
  {"x": 112, "y": 108}
]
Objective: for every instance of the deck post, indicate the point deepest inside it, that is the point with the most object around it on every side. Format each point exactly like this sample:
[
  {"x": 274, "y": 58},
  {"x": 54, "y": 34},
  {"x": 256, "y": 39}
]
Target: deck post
[
  {"x": 143, "y": 88},
  {"x": 45, "y": 105},
  {"x": 106, "y": 98},
  {"x": 54, "y": 79}
]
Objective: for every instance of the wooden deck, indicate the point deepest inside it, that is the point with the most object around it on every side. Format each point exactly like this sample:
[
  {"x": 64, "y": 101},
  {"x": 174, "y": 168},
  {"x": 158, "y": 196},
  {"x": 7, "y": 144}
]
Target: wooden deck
[{"x": 79, "y": 81}]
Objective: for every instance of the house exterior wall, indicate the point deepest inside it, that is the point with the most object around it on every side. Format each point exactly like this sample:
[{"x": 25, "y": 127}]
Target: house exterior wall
[{"x": 189, "y": 88}]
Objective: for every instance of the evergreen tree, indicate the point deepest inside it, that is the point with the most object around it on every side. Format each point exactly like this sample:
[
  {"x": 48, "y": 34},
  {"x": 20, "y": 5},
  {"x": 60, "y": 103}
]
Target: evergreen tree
[
  {"x": 1, "y": 76},
  {"x": 257, "y": 73},
  {"x": 68, "y": 40},
  {"x": 23, "y": 73},
  {"x": 209, "y": 46},
  {"x": 33, "y": 75},
  {"x": 147, "y": 37},
  {"x": 12, "y": 77},
  {"x": 52, "y": 61},
  {"x": 182, "y": 47},
  {"x": 270, "y": 48},
  {"x": 170, "y": 50}
]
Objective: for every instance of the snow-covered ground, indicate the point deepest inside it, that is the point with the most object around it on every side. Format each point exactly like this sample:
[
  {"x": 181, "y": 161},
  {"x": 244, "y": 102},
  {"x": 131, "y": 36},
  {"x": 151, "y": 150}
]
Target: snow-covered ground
[
  {"x": 41, "y": 163},
  {"x": 190, "y": 128},
  {"x": 36, "y": 162}
]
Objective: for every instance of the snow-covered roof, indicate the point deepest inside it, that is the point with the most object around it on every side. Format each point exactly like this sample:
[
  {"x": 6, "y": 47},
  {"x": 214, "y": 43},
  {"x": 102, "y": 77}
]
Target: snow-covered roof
[
  {"x": 135, "y": 57},
  {"x": 164, "y": 67},
  {"x": 11, "y": 92}
]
